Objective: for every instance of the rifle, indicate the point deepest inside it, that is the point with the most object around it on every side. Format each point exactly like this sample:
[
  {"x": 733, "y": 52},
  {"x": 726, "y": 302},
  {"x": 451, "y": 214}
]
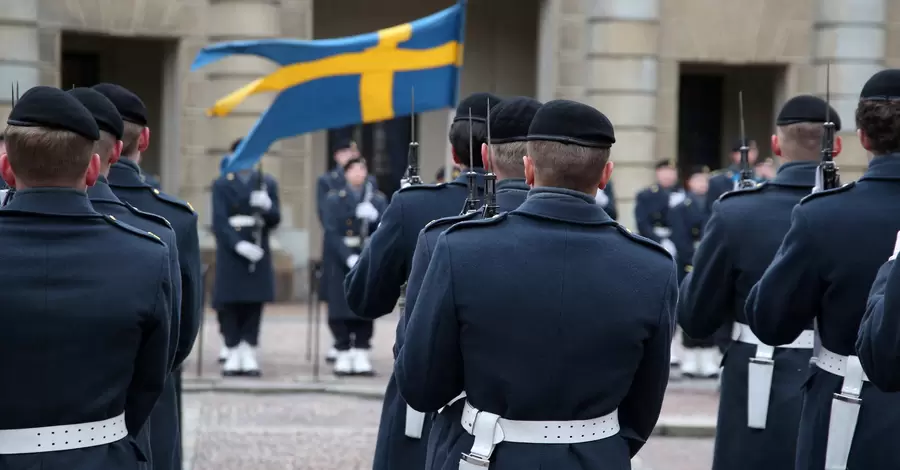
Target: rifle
[
  {"x": 490, "y": 179},
  {"x": 257, "y": 216},
  {"x": 746, "y": 177},
  {"x": 827, "y": 176},
  {"x": 471, "y": 204},
  {"x": 412, "y": 176}
]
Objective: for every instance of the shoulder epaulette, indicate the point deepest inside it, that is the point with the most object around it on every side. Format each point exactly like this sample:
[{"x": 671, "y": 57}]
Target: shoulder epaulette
[
  {"x": 738, "y": 192},
  {"x": 413, "y": 187},
  {"x": 171, "y": 200},
  {"x": 828, "y": 192},
  {"x": 654, "y": 188},
  {"x": 643, "y": 240},
  {"x": 447, "y": 221},
  {"x": 148, "y": 235},
  {"x": 478, "y": 222},
  {"x": 148, "y": 215}
]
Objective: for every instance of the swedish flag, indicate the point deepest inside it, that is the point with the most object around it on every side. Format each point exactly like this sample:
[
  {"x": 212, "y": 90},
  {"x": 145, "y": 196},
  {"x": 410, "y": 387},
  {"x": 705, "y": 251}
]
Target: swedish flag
[{"x": 331, "y": 83}]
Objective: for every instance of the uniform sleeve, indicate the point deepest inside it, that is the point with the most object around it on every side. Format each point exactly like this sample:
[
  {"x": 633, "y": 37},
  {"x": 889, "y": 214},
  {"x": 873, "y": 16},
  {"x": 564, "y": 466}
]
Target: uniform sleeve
[
  {"x": 878, "y": 344},
  {"x": 640, "y": 408},
  {"x": 421, "y": 259},
  {"x": 273, "y": 216},
  {"x": 191, "y": 290},
  {"x": 226, "y": 235},
  {"x": 787, "y": 297},
  {"x": 611, "y": 209},
  {"x": 428, "y": 368},
  {"x": 334, "y": 231},
  {"x": 151, "y": 364},
  {"x": 321, "y": 193},
  {"x": 642, "y": 217},
  {"x": 708, "y": 299},
  {"x": 373, "y": 285}
]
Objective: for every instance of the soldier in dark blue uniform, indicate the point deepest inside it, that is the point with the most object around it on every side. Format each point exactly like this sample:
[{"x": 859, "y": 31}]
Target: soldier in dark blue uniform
[
  {"x": 742, "y": 236},
  {"x": 821, "y": 275},
  {"x": 606, "y": 198},
  {"x": 373, "y": 285},
  {"x": 508, "y": 299},
  {"x": 652, "y": 205},
  {"x": 126, "y": 183},
  {"x": 877, "y": 344},
  {"x": 725, "y": 180},
  {"x": 350, "y": 215},
  {"x": 163, "y": 424},
  {"x": 246, "y": 209},
  {"x": 86, "y": 304}
]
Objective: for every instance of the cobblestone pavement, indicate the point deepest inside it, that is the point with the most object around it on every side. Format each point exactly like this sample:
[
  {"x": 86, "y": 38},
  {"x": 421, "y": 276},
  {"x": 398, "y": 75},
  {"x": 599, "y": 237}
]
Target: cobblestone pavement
[{"x": 328, "y": 432}]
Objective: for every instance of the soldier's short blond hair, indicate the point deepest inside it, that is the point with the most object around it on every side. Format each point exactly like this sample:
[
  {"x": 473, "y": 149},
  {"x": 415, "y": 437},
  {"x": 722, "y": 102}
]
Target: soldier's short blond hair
[
  {"x": 801, "y": 141},
  {"x": 507, "y": 159},
  {"x": 40, "y": 155}
]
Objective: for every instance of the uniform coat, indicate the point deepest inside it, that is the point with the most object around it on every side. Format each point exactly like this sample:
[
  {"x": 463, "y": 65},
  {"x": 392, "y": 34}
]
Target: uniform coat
[
  {"x": 87, "y": 310},
  {"x": 823, "y": 270},
  {"x": 342, "y": 225},
  {"x": 744, "y": 232},
  {"x": 877, "y": 345},
  {"x": 493, "y": 344},
  {"x": 651, "y": 210},
  {"x": 234, "y": 281},
  {"x": 394, "y": 450},
  {"x": 688, "y": 219},
  {"x": 162, "y": 427}
]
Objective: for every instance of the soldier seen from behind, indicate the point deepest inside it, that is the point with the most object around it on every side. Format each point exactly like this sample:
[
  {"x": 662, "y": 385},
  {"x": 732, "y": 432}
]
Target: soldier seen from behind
[
  {"x": 87, "y": 308},
  {"x": 758, "y": 414},
  {"x": 350, "y": 215},
  {"x": 821, "y": 275},
  {"x": 510, "y": 298}
]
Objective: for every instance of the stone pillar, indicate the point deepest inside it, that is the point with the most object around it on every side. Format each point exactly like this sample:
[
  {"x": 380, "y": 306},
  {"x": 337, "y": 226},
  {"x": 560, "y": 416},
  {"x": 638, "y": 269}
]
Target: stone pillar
[
  {"x": 851, "y": 36},
  {"x": 622, "y": 81},
  {"x": 19, "y": 49}
]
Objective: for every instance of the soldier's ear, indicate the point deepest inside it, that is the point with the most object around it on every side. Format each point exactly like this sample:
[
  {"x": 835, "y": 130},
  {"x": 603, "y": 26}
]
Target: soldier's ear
[
  {"x": 484, "y": 156},
  {"x": 6, "y": 171},
  {"x": 116, "y": 152},
  {"x": 605, "y": 175},
  {"x": 529, "y": 170},
  {"x": 776, "y": 145},
  {"x": 838, "y": 146},
  {"x": 144, "y": 140},
  {"x": 93, "y": 171}
]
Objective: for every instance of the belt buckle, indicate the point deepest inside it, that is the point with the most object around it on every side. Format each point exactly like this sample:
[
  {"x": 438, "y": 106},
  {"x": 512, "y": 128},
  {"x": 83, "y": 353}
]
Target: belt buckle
[{"x": 473, "y": 460}]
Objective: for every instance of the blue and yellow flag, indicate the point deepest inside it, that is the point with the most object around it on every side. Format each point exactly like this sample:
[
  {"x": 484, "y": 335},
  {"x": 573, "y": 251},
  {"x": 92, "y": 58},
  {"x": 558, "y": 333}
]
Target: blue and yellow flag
[{"x": 332, "y": 83}]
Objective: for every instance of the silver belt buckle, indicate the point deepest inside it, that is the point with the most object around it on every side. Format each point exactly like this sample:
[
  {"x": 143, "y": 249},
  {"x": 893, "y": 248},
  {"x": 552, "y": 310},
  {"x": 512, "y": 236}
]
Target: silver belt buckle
[{"x": 473, "y": 461}]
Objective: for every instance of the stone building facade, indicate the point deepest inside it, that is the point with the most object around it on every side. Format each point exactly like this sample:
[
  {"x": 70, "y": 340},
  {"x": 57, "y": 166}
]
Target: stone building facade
[{"x": 667, "y": 72}]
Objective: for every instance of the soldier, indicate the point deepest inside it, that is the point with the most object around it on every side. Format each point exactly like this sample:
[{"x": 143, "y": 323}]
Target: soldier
[
  {"x": 373, "y": 285},
  {"x": 537, "y": 323},
  {"x": 87, "y": 307},
  {"x": 700, "y": 358},
  {"x": 606, "y": 198},
  {"x": 246, "y": 209},
  {"x": 350, "y": 214},
  {"x": 877, "y": 344},
  {"x": 821, "y": 275},
  {"x": 651, "y": 210},
  {"x": 163, "y": 424},
  {"x": 126, "y": 183},
  {"x": 733, "y": 255},
  {"x": 722, "y": 181}
]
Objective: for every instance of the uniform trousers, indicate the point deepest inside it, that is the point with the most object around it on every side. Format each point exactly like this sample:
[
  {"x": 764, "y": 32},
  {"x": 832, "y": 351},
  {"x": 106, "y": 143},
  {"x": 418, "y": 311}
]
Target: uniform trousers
[
  {"x": 240, "y": 322},
  {"x": 352, "y": 333}
]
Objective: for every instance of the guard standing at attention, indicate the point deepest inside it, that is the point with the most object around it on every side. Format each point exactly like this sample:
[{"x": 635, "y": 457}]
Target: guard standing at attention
[
  {"x": 726, "y": 180},
  {"x": 744, "y": 232},
  {"x": 651, "y": 209},
  {"x": 350, "y": 215},
  {"x": 163, "y": 424},
  {"x": 821, "y": 275},
  {"x": 508, "y": 299},
  {"x": 509, "y": 122},
  {"x": 86, "y": 309},
  {"x": 246, "y": 209},
  {"x": 125, "y": 180},
  {"x": 373, "y": 285}
]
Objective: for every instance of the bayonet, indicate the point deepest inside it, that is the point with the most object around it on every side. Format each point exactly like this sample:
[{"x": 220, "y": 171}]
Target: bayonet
[
  {"x": 746, "y": 176},
  {"x": 490, "y": 179},
  {"x": 827, "y": 175},
  {"x": 471, "y": 177},
  {"x": 412, "y": 159}
]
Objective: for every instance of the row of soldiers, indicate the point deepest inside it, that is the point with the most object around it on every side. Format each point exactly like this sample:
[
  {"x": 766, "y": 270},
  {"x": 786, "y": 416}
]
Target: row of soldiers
[{"x": 532, "y": 318}]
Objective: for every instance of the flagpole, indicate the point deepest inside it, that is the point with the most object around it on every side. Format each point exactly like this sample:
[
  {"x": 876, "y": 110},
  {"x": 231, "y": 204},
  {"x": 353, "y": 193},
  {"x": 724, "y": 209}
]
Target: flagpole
[{"x": 448, "y": 162}]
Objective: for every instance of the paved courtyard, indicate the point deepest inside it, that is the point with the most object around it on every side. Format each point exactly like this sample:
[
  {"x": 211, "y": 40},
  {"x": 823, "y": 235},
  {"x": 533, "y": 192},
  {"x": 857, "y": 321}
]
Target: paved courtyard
[{"x": 293, "y": 419}]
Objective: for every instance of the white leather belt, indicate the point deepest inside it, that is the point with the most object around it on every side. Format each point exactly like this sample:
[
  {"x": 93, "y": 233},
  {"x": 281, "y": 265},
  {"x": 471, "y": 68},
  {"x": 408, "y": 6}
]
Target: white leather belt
[
  {"x": 66, "y": 437},
  {"x": 662, "y": 232},
  {"x": 742, "y": 333},
  {"x": 837, "y": 365},
  {"x": 352, "y": 242},
  {"x": 241, "y": 221},
  {"x": 844, "y": 406},
  {"x": 415, "y": 420},
  {"x": 490, "y": 429}
]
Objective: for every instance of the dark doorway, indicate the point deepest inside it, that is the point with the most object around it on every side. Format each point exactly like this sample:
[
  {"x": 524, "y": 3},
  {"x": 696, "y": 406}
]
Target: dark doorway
[
  {"x": 384, "y": 146},
  {"x": 700, "y": 121}
]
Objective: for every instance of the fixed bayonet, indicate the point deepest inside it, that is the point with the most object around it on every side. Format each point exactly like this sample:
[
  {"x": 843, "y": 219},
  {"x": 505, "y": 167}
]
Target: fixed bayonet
[
  {"x": 490, "y": 179},
  {"x": 412, "y": 159},
  {"x": 471, "y": 177},
  {"x": 827, "y": 176},
  {"x": 746, "y": 176}
]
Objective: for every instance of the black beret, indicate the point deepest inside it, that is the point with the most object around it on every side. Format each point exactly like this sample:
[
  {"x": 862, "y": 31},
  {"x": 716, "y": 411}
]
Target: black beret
[
  {"x": 478, "y": 103},
  {"x": 736, "y": 146},
  {"x": 130, "y": 107},
  {"x": 807, "y": 108},
  {"x": 102, "y": 109},
  {"x": 44, "y": 106},
  {"x": 666, "y": 163},
  {"x": 574, "y": 123},
  {"x": 511, "y": 119},
  {"x": 883, "y": 86}
]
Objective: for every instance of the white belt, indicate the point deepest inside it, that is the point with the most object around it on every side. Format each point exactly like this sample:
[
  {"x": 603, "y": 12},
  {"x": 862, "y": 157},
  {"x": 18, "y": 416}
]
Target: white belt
[
  {"x": 415, "y": 420},
  {"x": 490, "y": 429},
  {"x": 761, "y": 369},
  {"x": 352, "y": 242},
  {"x": 65, "y": 437},
  {"x": 844, "y": 406},
  {"x": 241, "y": 221},
  {"x": 662, "y": 232}
]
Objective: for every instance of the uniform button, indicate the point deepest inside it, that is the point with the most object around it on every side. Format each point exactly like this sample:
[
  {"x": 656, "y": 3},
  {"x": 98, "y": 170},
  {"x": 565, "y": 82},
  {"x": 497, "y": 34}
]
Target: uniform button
[{"x": 155, "y": 191}]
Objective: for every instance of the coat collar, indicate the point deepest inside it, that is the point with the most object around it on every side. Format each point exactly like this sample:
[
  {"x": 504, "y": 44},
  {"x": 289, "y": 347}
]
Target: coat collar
[
  {"x": 101, "y": 191},
  {"x": 796, "y": 174},
  {"x": 512, "y": 184},
  {"x": 461, "y": 180},
  {"x": 563, "y": 205},
  {"x": 126, "y": 173},
  {"x": 51, "y": 201},
  {"x": 883, "y": 167}
]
